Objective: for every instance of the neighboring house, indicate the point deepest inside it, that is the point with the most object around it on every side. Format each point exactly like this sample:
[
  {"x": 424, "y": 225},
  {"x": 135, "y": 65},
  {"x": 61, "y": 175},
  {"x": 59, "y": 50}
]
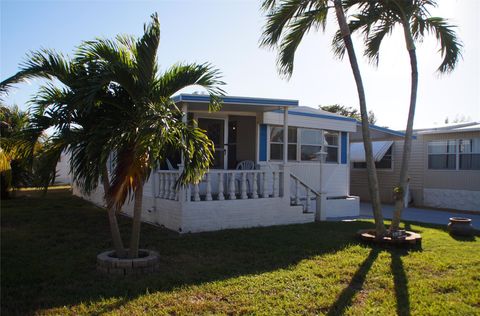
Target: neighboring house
[
  {"x": 444, "y": 169},
  {"x": 248, "y": 133}
]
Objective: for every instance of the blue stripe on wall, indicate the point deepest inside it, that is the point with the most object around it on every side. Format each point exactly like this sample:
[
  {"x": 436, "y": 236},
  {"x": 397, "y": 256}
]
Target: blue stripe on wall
[
  {"x": 344, "y": 148},
  {"x": 262, "y": 154}
]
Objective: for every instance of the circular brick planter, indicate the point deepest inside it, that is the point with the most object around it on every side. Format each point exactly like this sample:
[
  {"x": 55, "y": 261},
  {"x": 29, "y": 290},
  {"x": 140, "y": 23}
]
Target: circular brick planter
[
  {"x": 147, "y": 262},
  {"x": 408, "y": 239}
]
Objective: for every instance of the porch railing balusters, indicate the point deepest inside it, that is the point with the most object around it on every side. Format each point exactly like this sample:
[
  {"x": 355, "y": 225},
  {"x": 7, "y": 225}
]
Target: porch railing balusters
[
  {"x": 160, "y": 185},
  {"x": 231, "y": 188},
  {"x": 172, "y": 186},
  {"x": 275, "y": 185},
  {"x": 244, "y": 186},
  {"x": 221, "y": 185},
  {"x": 208, "y": 197},
  {"x": 265, "y": 185},
  {"x": 221, "y": 197},
  {"x": 196, "y": 192},
  {"x": 254, "y": 186}
]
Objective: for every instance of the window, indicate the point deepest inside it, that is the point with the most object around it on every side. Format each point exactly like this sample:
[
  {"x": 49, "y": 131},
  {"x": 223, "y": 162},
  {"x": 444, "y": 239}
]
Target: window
[
  {"x": 276, "y": 143},
  {"x": 461, "y": 154},
  {"x": 308, "y": 143},
  {"x": 442, "y": 155},
  {"x": 331, "y": 145},
  {"x": 311, "y": 144},
  {"x": 469, "y": 154}
]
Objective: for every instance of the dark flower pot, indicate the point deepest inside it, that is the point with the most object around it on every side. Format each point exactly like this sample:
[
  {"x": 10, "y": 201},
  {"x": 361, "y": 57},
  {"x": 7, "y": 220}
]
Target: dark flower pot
[{"x": 461, "y": 226}]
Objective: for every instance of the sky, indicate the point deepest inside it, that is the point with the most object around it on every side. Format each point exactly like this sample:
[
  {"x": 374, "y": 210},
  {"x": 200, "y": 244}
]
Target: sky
[{"x": 226, "y": 33}]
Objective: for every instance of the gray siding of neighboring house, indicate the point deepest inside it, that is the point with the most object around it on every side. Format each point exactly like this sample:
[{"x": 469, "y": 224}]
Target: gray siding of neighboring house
[
  {"x": 388, "y": 179},
  {"x": 422, "y": 180}
]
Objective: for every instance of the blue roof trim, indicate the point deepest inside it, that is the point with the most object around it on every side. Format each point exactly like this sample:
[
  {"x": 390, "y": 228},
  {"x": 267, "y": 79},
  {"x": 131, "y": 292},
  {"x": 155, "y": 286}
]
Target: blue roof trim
[
  {"x": 330, "y": 117},
  {"x": 235, "y": 100},
  {"x": 387, "y": 130}
]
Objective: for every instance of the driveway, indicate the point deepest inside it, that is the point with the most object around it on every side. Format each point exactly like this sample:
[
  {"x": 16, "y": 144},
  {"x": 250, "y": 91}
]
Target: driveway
[{"x": 416, "y": 214}]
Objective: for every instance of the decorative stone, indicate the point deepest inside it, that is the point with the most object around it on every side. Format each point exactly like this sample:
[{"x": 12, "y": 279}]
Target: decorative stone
[
  {"x": 148, "y": 262},
  {"x": 461, "y": 226}
]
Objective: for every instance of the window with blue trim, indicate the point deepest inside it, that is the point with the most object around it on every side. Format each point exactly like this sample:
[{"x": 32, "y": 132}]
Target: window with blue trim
[{"x": 304, "y": 144}]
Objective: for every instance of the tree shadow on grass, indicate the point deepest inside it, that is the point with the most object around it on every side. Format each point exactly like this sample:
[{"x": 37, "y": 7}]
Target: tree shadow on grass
[
  {"x": 400, "y": 280},
  {"x": 345, "y": 298},
  {"x": 48, "y": 254}
]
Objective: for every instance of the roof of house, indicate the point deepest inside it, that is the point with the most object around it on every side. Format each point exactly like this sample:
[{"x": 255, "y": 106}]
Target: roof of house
[
  {"x": 236, "y": 103},
  {"x": 450, "y": 128},
  {"x": 205, "y": 98}
]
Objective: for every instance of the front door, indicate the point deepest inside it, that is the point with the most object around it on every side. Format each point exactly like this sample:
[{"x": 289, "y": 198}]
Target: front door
[{"x": 216, "y": 132}]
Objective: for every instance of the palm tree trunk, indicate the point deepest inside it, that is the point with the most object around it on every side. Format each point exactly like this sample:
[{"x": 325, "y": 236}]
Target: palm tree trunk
[
  {"x": 367, "y": 141},
  {"x": 407, "y": 144},
  {"x": 137, "y": 216},
  {"x": 112, "y": 219}
]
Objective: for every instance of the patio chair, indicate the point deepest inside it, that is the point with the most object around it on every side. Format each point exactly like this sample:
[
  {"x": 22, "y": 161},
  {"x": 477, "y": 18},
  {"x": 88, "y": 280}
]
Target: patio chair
[{"x": 244, "y": 165}]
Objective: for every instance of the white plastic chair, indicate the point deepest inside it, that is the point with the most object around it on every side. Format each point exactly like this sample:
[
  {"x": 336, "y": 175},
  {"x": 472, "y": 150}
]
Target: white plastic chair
[{"x": 244, "y": 165}]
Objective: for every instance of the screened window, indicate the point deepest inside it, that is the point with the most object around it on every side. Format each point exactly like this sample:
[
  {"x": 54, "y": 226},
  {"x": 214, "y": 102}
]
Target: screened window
[
  {"x": 276, "y": 143},
  {"x": 469, "y": 154},
  {"x": 442, "y": 154},
  {"x": 461, "y": 154},
  {"x": 304, "y": 144},
  {"x": 331, "y": 145},
  {"x": 311, "y": 144}
]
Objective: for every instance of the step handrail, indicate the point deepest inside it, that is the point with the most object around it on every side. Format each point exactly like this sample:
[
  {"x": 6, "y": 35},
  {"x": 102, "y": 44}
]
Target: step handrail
[{"x": 305, "y": 185}]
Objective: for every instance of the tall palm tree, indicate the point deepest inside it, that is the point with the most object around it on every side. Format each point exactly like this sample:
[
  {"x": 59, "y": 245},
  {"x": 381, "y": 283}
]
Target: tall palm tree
[
  {"x": 377, "y": 19},
  {"x": 287, "y": 22}
]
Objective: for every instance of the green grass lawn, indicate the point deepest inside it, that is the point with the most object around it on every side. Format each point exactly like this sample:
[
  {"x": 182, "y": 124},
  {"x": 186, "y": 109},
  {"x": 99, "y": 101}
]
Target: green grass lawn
[{"x": 49, "y": 246}]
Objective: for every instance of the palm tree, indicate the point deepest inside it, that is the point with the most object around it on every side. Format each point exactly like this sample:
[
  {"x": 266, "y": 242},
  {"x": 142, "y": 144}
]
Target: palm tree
[
  {"x": 378, "y": 19},
  {"x": 287, "y": 22},
  {"x": 116, "y": 102},
  {"x": 19, "y": 147},
  {"x": 150, "y": 126},
  {"x": 69, "y": 113}
]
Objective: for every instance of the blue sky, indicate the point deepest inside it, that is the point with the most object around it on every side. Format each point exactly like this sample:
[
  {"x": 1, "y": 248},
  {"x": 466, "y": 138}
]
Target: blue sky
[{"x": 226, "y": 33}]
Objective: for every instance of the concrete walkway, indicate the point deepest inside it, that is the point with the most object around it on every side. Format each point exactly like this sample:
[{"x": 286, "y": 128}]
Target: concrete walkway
[{"x": 415, "y": 214}]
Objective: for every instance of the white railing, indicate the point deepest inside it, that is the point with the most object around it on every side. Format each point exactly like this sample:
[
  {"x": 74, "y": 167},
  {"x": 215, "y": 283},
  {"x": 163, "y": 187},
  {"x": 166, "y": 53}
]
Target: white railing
[
  {"x": 303, "y": 195},
  {"x": 221, "y": 185}
]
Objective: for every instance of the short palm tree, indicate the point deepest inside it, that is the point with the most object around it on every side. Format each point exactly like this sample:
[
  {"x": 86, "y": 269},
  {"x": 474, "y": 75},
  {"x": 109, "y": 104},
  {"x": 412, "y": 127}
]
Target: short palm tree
[
  {"x": 117, "y": 103},
  {"x": 287, "y": 22},
  {"x": 67, "y": 110},
  {"x": 377, "y": 19},
  {"x": 150, "y": 126}
]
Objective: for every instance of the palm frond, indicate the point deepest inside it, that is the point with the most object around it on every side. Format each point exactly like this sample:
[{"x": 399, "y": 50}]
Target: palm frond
[
  {"x": 450, "y": 46},
  {"x": 44, "y": 63},
  {"x": 180, "y": 76},
  {"x": 146, "y": 49}
]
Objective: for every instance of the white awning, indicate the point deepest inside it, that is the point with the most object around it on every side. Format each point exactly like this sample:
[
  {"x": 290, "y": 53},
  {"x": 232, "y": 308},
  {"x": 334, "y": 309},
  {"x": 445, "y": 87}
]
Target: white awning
[{"x": 357, "y": 152}]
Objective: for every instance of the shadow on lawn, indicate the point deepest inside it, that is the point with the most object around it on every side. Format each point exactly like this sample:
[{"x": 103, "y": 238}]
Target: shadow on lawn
[
  {"x": 49, "y": 253},
  {"x": 49, "y": 249},
  {"x": 400, "y": 280}
]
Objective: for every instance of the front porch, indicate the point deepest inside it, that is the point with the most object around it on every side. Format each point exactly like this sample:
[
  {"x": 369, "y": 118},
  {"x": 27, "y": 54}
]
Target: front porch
[{"x": 231, "y": 196}]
